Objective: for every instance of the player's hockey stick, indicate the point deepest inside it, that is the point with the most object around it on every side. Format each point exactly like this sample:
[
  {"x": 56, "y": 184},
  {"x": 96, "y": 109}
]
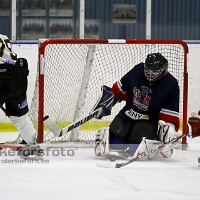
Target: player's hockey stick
[
  {"x": 60, "y": 132},
  {"x": 107, "y": 164}
]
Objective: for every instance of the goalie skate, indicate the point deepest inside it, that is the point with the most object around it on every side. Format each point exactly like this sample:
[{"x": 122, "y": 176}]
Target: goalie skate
[{"x": 117, "y": 154}]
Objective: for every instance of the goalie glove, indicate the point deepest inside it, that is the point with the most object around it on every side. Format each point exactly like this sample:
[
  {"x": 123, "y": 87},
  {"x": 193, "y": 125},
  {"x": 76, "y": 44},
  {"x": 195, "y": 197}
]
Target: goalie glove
[
  {"x": 166, "y": 131},
  {"x": 106, "y": 102}
]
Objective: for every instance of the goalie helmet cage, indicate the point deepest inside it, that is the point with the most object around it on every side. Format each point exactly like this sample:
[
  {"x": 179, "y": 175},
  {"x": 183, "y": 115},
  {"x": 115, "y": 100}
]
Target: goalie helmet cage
[{"x": 72, "y": 71}]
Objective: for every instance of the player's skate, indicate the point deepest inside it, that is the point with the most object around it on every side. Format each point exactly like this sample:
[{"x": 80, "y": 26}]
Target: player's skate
[{"x": 33, "y": 152}]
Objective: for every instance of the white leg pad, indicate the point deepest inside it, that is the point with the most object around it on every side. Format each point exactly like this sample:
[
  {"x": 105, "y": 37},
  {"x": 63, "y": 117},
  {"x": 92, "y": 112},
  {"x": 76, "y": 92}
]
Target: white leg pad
[
  {"x": 25, "y": 128},
  {"x": 145, "y": 146},
  {"x": 101, "y": 142},
  {"x": 167, "y": 151}
]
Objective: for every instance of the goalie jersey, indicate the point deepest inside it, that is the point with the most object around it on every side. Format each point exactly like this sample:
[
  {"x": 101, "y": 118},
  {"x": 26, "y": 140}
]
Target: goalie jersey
[{"x": 148, "y": 102}]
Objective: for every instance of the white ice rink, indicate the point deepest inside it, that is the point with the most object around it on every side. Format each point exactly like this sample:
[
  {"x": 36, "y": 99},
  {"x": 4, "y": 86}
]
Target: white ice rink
[{"x": 79, "y": 178}]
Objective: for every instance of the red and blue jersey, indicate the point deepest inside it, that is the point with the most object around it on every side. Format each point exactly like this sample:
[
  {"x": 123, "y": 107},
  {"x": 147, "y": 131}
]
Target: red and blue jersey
[{"x": 159, "y": 101}]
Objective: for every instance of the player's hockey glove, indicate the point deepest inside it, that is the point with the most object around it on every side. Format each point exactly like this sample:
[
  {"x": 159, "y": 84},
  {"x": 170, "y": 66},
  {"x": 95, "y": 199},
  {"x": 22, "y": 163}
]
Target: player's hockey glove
[
  {"x": 106, "y": 102},
  {"x": 22, "y": 67}
]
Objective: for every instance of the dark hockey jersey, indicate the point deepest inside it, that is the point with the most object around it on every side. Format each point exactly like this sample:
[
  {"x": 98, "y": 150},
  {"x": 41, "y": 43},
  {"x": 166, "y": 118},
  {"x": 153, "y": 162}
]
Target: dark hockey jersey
[
  {"x": 157, "y": 102},
  {"x": 10, "y": 66}
]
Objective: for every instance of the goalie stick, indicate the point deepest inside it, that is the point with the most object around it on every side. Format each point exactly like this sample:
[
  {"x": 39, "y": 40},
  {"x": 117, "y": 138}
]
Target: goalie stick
[
  {"x": 107, "y": 164},
  {"x": 60, "y": 132}
]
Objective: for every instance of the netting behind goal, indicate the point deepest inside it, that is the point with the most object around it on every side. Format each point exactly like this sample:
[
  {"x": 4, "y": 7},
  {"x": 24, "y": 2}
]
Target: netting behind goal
[{"x": 71, "y": 73}]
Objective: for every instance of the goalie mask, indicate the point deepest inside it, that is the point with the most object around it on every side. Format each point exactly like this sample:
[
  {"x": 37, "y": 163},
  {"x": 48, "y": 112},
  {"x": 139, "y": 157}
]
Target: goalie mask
[{"x": 155, "y": 66}]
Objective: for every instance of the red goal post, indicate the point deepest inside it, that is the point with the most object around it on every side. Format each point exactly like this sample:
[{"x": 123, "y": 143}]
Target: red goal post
[{"x": 72, "y": 71}]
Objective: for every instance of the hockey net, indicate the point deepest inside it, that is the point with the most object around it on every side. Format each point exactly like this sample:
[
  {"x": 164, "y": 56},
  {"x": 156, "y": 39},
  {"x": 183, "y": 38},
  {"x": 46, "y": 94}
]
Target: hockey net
[{"x": 72, "y": 71}]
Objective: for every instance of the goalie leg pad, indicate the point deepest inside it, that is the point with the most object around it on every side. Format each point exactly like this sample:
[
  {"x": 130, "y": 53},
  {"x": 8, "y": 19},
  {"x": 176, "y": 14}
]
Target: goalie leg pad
[
  {"x": 25, "y": 128},
  {"x": 146, "y": 145},
  {"x": 167, "y": 151},
  {"x": 101, "y": 142}
]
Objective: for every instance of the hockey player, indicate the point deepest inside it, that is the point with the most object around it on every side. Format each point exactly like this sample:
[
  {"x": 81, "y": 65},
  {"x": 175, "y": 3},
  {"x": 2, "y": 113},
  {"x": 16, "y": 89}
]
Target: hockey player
[
  {"x": 13, "y": 87},
  {"x": 150, "y": 115}
]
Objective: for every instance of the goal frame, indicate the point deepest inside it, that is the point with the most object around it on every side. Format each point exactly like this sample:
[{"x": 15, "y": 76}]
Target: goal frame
[{"x": 41, "y": 53}]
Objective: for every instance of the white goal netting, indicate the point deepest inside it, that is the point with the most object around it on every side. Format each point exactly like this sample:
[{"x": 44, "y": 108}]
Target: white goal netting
[{"x": 74, "y": 71}]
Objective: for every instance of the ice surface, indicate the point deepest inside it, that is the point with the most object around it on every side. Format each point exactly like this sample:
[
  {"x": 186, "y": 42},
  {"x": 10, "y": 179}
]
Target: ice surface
[{"x": 79, "y": 178}]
